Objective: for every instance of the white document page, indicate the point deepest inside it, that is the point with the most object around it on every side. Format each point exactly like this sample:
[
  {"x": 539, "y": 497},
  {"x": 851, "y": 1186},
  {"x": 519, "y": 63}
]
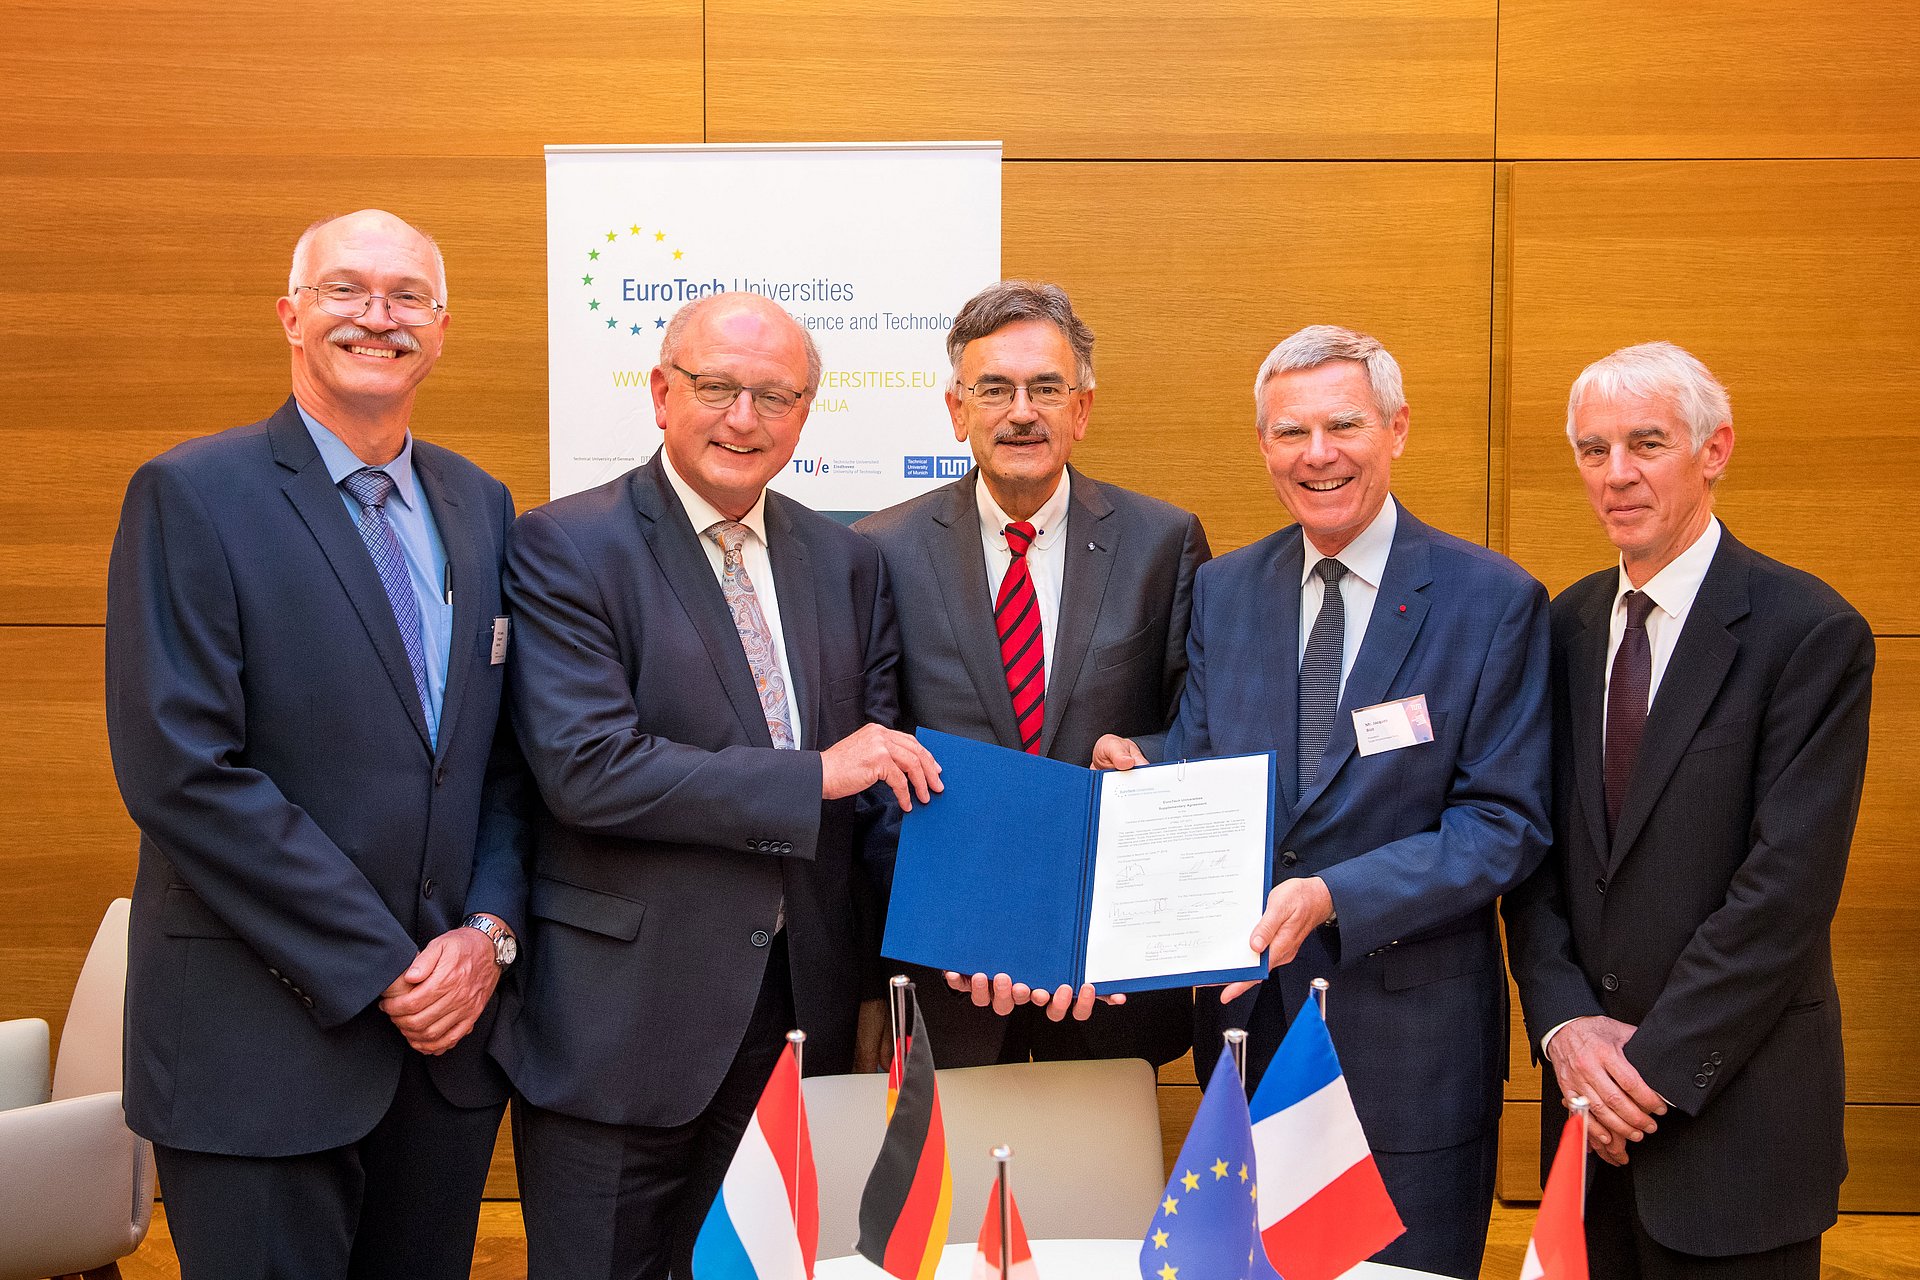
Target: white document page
[{"x": 1180, "y": 865}]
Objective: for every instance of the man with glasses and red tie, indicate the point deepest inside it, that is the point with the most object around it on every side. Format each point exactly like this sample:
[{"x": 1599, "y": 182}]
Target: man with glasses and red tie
[
  {"x": 1673, "y": 952},
  {"x": 704, "y": 682},
  {"x": 1039, "y": 608},
  {"x": 304, "y": 683}
]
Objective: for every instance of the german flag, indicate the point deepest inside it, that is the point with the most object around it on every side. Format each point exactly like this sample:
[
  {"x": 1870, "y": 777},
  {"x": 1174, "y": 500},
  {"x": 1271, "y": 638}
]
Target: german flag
[{"x": 909, "y": 1194}]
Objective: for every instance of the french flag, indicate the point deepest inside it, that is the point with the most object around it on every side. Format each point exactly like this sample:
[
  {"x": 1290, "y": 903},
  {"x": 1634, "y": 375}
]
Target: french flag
[
  {"x": 765, "y": 1223},
  {"x": 1322, "y": 1207}
]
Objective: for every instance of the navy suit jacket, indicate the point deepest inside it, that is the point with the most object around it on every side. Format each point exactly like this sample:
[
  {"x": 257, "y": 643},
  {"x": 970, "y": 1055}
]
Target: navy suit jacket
[
  {"x": 675, "y": 830},
  {"x": 300, "y": 838},
  {"x": 1415, "y": 844},
  {"x": 1704, "y": 920},
  {"x": 1119, "y": 664}
]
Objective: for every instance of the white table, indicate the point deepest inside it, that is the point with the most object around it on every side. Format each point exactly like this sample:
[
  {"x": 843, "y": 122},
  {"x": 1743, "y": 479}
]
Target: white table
[{"x": 1065, "y": 1260}]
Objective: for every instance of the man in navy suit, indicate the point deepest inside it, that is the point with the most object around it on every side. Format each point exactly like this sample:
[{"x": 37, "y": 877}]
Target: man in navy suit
[
  {"x": 704, "y": 680},
  {"x": 1388, "y": 855},
  {"x": 1673, "y": 954},
  {"x": 1112, "y": 577},
  {"x": 304, "y": 705}
]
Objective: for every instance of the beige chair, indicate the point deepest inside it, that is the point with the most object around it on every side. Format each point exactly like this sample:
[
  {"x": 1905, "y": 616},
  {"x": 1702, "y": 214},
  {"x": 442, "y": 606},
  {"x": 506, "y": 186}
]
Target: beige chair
[
  {"x": 76, "y": 1187},
  {"x": 1085, "y": 1138}
]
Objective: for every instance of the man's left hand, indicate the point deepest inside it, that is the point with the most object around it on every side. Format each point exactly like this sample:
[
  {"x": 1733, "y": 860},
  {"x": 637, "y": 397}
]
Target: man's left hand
[
  {"x": 1295, "y": 909},
  {"x": 438, "y": 999}
]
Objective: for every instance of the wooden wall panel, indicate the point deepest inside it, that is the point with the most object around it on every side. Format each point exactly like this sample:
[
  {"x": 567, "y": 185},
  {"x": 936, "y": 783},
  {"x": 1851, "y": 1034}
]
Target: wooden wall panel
[
  {"x": 1230, "y": 79},
  {"x": 1190, "y": 273},
  {"x": 136, "y": 310},
  {"x": 1799, "y": 286},
  {"x": 1710, "y": 78},
  {"x": 260, "y": 78}
]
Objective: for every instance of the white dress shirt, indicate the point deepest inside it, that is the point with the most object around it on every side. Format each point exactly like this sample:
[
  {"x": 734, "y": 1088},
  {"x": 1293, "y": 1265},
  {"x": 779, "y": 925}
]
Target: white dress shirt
[
  {"x": 1366, "y": 561},
  {"x": 1672, "y": 590},
  {"x": 1046, "y": 558},
  {"x": 753, "y": 555}
]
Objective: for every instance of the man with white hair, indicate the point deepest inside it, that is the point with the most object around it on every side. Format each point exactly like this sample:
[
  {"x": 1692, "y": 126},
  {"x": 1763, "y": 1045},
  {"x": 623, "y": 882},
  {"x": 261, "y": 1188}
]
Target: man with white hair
[
  {"x": 1388, "y": 854},
  {"x": 304, "y": 686},
  {"x": 1673, "y": 953}
]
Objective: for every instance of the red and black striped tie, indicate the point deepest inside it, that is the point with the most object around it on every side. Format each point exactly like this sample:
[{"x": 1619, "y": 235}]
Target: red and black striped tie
[{"x": 1016, "y": 615}]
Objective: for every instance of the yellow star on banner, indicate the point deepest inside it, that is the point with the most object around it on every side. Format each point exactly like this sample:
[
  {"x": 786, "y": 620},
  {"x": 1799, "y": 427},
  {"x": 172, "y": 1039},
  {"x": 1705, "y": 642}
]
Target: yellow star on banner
[
  {"x": 659, "y": 235},
  {"x": 1159, "y": 1239},
  {"x": 1219, "y": 1168},
  {"x": 1243, "y": 1173},
  {"x": 676, "y": 255},
  {"x": 1190, "y": 1180},
  {"x": 634, "y": 229},
  {"x": 1171, "y": 1207},
  {"x": 1169, "y": 1272},
  {"x": 611, "y": 237}
]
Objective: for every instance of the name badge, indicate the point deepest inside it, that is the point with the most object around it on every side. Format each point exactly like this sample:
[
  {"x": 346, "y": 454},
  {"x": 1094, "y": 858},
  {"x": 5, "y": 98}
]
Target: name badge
[
  {"x": 499, "y": 654},
  {"x": 1389, "y": 726}
]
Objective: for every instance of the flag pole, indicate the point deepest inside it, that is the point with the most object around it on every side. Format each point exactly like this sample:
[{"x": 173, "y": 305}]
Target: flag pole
[
  {"x": 1001, "y": 1154},
  {"x": 1320, "y": 995},
  {"x": 797, "y": 1039},
  {"x": 1580, "y": 1107},
  {"x": 897, "y": 1010},
  {"x": 1237, "y": 1046}
]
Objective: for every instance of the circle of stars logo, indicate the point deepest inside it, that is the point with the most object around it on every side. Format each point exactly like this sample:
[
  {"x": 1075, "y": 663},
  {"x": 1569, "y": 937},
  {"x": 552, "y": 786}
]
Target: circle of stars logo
[
  {"x": 1197, "y": 1186},
  {"x": 600, "y": 277}
]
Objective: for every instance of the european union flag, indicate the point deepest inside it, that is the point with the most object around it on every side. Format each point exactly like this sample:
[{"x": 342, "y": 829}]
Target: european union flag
[{"x": 1206, "y": 1227}]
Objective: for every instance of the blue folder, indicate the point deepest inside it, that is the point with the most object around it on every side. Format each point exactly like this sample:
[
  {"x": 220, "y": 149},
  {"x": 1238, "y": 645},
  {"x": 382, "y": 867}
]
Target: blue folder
[{"x": 995, "y": 873}]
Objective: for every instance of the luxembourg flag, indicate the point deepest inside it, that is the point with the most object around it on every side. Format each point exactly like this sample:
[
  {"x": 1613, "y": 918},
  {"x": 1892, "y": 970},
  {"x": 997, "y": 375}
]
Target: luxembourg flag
[
  {"x": 1322, "y": 1206},
  {"x": 1558, "y": 1248},
  {"x": 765, "y": 1223}
]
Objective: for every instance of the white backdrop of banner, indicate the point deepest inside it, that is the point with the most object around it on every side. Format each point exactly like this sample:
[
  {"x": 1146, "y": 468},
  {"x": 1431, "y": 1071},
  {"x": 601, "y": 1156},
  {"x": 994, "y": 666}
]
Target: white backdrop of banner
[{"x": 873, "y": 247}]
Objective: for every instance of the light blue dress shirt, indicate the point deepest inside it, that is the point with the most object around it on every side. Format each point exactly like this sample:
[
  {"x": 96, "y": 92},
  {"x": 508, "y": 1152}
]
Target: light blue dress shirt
[{"x": 426, "y": 556}]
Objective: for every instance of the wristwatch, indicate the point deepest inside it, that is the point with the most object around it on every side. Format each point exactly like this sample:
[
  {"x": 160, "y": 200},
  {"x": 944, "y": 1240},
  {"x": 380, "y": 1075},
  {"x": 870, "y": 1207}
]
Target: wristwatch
[{"x": 505, "y": 947}]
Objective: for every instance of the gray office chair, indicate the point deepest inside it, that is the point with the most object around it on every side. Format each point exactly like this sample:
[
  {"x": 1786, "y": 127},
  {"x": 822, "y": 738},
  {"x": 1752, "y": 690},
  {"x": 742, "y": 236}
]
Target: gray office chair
[
  {"x": 76, "y": 1186},
  {"x": 1085, "y": 1138}
]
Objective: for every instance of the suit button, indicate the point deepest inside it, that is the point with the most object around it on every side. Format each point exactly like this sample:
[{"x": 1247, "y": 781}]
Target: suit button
[
  {"x": 759, "y": 938},
  {"x": 307, "y": 1001},
  {"x": 1288, "y": 858},
  {"x": 1700, "y": 1081},
  {"x": 785, "y": 847},
  {"x": 1610, "y": 982},
  {"x": 426, "y": 887},
  {"x": 439, "y": 774},
  {"x": 274, "y": 972},
  {"x": 1708, "y": 1069},
  {"x": 1715, "y": 1058},
  {"x": 1601, "y": 884},
  {"x": 751, "y": 848}
]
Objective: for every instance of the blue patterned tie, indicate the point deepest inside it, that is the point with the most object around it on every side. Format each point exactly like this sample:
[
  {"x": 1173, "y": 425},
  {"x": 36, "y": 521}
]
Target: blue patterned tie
[
  {"x": 1320, "y": 672},
  {"x": 371, "y": 487}
]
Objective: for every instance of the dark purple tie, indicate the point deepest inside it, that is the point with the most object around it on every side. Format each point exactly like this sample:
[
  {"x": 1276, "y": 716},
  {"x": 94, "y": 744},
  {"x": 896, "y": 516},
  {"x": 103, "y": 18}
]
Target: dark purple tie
[{"x": 1627, "y": 701}]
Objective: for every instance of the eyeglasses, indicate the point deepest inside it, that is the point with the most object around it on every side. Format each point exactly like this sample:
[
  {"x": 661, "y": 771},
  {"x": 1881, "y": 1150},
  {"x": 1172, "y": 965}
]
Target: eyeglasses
[
  {"x": 716, "y": 392},
  {"x": 351, "y": 301},
  {"x": 998, "y": 393}
]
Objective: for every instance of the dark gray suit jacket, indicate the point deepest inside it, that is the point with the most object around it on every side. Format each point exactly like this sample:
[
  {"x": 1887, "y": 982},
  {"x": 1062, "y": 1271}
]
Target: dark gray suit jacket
[
  {"x": 1704, "y": 921},
  {"x": 1119, "y": 664}
]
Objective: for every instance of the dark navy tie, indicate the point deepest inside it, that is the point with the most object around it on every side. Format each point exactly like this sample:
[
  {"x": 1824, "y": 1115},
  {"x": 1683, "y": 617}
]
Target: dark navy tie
[
  {"x": 371, "y": 487},
  {"x": 1320, "y": 671},
  {"x": 1627, "y": 701}
]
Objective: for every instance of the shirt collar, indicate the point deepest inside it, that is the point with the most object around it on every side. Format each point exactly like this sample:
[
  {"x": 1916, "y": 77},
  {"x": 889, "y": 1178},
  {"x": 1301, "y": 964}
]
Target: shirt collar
[
  {"x": 342, "y": 462},
  {"x": 1366, "y": 556},
  {"x": 1674, "y": 587},
  {"x": 704, "y": 514},
  {"x": 1049, "y": 522}
]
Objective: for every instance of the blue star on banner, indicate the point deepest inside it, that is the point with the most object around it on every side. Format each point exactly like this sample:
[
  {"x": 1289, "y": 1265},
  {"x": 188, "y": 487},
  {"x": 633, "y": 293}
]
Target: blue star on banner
[
  {"x": 635, "y": 328},
  {"x": 1206, "y": 1226}
]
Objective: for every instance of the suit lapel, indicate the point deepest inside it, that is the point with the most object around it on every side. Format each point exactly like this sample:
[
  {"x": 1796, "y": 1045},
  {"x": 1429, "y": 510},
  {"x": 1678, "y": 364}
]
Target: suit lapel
[
  {"x": 313, "y": 494},
  {"x": 467, "y": 563},
  {"x": 1399, "y": 609},
  {"x": 1083, "y": 590},
  {"x": 957, "y": 559},
  {"x": 1587, "y": 708},
  {"x": 683, "y": 563},
  {"x": 1699, "y": 666},
  {"x": 799, "y": 615},
  {"x": 1280, "y": 632}
]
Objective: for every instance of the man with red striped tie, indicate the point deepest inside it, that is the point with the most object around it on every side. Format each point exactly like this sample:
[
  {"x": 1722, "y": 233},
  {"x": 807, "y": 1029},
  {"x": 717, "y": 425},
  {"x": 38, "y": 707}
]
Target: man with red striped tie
[{"x": 1038, "y": 608}]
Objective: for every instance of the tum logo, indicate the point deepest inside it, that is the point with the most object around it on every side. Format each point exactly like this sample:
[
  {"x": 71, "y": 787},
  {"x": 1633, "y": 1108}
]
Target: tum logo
[{"x": 952, "y": 468}]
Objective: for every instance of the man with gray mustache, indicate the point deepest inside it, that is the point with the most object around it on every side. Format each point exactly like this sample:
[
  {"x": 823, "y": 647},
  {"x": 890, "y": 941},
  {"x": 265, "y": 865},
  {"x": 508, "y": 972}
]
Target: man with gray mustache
[
  {"x": 1038, "y": 608},
  {"x": 305, "y": 662}
]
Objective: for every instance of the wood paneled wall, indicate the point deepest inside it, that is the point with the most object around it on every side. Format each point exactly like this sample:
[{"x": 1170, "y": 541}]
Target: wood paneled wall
[{"x": 1501, "y": 189}]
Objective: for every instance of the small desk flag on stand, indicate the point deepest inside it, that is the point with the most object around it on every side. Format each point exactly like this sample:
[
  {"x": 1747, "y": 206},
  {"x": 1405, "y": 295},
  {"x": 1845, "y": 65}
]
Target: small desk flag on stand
[
  {"x": 1323, "y": 1208},
  {"x": 1558, "y": 1249},
  {"x": 909, "y": 1195},
  {"x": 765, "y": 1223},
  {"x": 1205, "y": 1224},
  {"x": 1003, "y": 1252}
]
